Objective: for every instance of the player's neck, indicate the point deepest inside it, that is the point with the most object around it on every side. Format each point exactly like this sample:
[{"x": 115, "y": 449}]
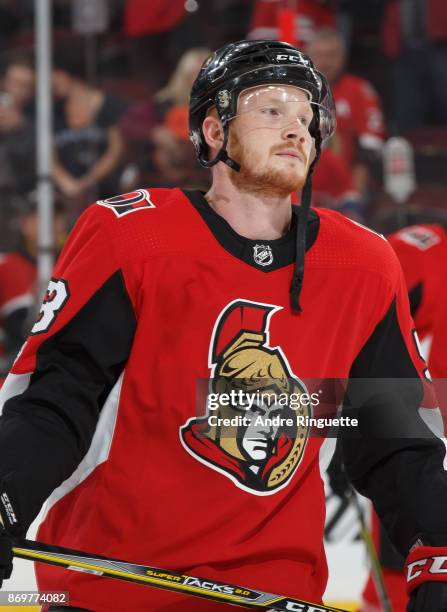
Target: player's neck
[{"x": 250, "y": 215}]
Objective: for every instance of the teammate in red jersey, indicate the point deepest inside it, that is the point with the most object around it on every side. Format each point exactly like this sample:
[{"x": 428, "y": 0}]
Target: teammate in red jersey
[
  {"x": 360, "y": 126},
  {"x": 17, "y": 282},
  {"x": 333, "y": 186},
  {"x": 159, "y": 290},
  {"x": 422, "y": 251}
]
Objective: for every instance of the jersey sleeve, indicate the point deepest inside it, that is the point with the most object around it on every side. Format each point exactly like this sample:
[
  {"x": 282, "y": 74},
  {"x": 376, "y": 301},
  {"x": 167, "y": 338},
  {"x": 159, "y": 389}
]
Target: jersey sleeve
[
  {"x": 397, "y": 457},
  {"x": 71, "y": 361},
  {"x": 438, "y": 351},
  {"x": 411, "y": 259}
]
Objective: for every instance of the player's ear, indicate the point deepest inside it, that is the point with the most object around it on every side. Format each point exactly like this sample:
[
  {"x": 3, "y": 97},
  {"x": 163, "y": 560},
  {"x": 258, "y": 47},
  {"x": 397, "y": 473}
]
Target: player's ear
[{"x": 212, "y": 131}]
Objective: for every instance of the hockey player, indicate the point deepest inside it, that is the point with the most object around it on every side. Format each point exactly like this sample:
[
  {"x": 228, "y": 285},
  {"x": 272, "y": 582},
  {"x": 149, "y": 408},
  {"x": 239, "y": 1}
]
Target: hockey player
[
  {"x": 422, "y": 251},
  {"x": 159, "y": 289},
  {"x": 360, "y": 124}
]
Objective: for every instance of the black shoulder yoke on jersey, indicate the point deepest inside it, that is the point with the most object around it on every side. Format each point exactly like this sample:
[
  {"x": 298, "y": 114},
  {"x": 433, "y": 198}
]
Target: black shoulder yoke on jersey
[{"x": 284, "y": 248}]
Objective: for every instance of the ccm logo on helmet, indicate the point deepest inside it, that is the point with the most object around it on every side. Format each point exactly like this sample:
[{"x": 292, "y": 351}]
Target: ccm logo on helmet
[
  {"x": 291, "y": 58},
  {"x": 432, "y": 565}
]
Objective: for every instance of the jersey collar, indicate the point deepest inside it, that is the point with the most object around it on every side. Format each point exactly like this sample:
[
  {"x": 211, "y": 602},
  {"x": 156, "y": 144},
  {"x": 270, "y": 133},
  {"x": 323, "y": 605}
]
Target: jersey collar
[{"x": 264, "y": 255}]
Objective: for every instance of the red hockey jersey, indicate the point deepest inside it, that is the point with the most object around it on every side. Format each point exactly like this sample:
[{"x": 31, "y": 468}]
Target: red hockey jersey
[
  {"x": 332, "y": 181},
  {"x": 17, "y": 295},
  {"x": 359, "y": 116},
  {"x": 154, "y": 293},
  {"x": 422, "y": 251}
]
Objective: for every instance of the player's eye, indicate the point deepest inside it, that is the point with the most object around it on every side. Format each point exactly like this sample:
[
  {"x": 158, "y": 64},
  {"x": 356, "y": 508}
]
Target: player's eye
[
  {"x": 271, "y": 111},
  {"x": 304, "y": 120}
]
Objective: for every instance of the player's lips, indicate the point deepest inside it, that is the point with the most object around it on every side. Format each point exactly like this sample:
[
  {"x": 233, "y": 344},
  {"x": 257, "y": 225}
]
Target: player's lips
[{"x": 291, "y": 153}]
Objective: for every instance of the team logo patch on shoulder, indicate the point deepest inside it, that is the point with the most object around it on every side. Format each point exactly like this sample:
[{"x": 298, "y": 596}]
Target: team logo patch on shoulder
[
  {"x": 128, "y": 202},
  {"x": 419, "y": 236}
]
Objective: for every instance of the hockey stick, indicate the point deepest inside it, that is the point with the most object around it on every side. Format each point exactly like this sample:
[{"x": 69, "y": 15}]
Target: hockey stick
[
  {"x": 376, "y": 568},
  {"x": 160, "y": 578}
]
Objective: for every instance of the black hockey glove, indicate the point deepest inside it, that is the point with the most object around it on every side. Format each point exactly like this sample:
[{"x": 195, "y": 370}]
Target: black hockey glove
[
  {"x": 426, "y": 572},
  {"x": 5, "y": 555},
  {"x": 429, "y": 597}
]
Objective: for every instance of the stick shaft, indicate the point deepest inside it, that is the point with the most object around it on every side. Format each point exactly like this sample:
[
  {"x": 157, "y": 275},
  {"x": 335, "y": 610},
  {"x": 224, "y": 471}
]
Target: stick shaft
[
  {"x": 376, "y": 568},
  {"x": 160, "y": 578}
]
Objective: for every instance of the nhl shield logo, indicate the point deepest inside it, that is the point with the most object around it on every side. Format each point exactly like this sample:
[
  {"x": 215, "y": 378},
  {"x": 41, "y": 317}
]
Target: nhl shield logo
[{"x": 262, "y": 254}]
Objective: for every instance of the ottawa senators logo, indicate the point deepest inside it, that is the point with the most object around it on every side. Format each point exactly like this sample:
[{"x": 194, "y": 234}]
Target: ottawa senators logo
[
  {"x": 419, "y": 236},
  {"x": 250, "y": 432},
  {"x": 128, "y": 202}
]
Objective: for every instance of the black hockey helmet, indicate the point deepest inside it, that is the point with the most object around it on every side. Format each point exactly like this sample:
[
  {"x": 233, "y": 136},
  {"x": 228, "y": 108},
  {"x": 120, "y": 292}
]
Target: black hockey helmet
[{"x": 238, "y": 66}]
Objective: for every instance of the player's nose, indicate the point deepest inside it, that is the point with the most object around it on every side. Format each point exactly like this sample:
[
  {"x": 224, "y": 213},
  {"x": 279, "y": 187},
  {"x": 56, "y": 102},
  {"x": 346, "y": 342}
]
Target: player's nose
[{"x": 294, "y": 131}]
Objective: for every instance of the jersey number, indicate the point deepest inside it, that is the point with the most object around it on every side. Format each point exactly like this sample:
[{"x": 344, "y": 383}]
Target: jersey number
[{"x": 55, "y": 298}]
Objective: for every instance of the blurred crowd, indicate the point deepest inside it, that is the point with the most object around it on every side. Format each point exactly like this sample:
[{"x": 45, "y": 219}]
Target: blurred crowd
[{"x": 121, "y": 76}]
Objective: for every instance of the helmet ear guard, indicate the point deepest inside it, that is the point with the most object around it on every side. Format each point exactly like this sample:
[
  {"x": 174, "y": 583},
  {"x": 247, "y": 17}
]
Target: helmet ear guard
[
  {"x": 222, "y": 155},
  {"x": 225, "y": 103}
]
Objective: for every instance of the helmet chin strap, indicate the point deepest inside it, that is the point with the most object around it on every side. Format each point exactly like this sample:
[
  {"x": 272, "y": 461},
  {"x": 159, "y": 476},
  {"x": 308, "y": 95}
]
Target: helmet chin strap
[
  {"x": 222, "y": 155},
  {"x": 306, "y": 201}
]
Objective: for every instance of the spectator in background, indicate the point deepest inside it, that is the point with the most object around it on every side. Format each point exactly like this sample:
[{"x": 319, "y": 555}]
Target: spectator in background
[
  {"x": 269, "y": 20},
  {"x": 360, "y": 127},
  {"x": 173, "y": 153},
  {"x": 88, "y": 144},
  {"x": 143, "y": 116},
  {"x": 147, "y": 118},
  {"x": 177, "y": 90},
  {"x": 155, "y": 25},
  {"x": 17, "y": 139},
  {"x": 18, "y": 275},
  {"x": 415, "y": 40}
]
